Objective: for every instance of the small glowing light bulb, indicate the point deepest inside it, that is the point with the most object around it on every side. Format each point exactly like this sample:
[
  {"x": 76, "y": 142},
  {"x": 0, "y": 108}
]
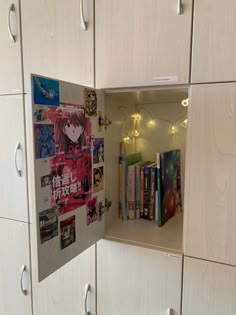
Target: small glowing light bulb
[
  {"x": 150, "y": 123},
  {"x": 136, "y": 133},
  {"x": 173, "y": 129}
]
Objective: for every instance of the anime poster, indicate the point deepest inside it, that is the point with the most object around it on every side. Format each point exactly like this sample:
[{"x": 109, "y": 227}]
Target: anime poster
[
  {"x": 90, "y": 101},
  {"x": 67, "y": 229},
  {"x": 98, "y": 150},
  {"x": 48, "y": 224},
  {"x": 71, "y": 168},
  {"x": 98, "y": 179},
  {"x": 46, "y": 91},
  {"x": 44, "y": 141},
  {"x": 92, "y": 210}
]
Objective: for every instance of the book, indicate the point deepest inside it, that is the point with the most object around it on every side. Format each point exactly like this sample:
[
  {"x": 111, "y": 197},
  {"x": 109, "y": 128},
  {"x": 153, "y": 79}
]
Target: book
[
  {"x": 120, "y": 188},
  {"x": 158, "y": 192},
  {"x": 152, "y": 198},
  {"x": 146, "y": 190},
  {"x": 131, "y": 191},
  {"x": 125, "y": 161},
  {"x": 137, "y": 187},
  {"x": 142, "y": 168},
  {"x": 171, "y": 184}
]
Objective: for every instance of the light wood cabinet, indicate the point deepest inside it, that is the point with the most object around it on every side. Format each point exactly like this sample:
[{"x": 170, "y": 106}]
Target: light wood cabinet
[
  {"x": 143, "y": 43},
  {"x": 208, "y": 288},
  {"x": 64, "y": 291},
  {"x": 135, "y": 280},
  {"x": 13, "y": 159},
  {"x": 14, "y": 249},
  {"x": 209, "y": 228},
  {"x": 10, "y": 52},
  {"x": 213, "y": 48},
  {"x": 54, "y": 42}
]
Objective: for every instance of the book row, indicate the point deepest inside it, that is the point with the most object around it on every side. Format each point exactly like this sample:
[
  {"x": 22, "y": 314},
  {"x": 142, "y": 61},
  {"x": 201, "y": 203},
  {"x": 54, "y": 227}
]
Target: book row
[{"x": 150, "y": 190}]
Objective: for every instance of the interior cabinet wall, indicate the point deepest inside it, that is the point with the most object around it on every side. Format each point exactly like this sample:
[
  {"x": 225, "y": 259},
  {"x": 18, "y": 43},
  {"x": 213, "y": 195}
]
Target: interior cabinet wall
[
  {"x": 209, "y": 229},
  {"x": 208, "y": 288},
  {"x": 136, "y": 280},
  {"x": 54, "y": 43},
  {"x": 213, "y": 47},
  {"x": 141, "y": 44},
  {"x": 10, "y": 52}
]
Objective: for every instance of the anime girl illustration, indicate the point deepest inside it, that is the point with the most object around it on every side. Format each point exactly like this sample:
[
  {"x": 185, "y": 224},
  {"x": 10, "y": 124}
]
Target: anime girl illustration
[
  {"x": 44, "y": 142},
  {"x": 71, "y": 168},
  {"x": 98, "y": 150}
]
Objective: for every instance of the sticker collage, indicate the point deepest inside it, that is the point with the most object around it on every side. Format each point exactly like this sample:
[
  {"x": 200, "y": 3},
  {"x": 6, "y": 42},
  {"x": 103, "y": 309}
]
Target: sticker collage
[{"x": 63, "y": 138}]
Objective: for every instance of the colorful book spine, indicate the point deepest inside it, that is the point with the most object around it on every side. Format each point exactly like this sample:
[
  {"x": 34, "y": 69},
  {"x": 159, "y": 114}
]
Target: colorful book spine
[
  {"x": 120, "y": 188},
  {"x": 158, "y": 192},
  {"x": 137, "y": 189},
  {"x": 131, "y": 191},
  {"x": 152, "y": 192},
  {"x": 123, "y": 204},
  {"x": 142, "y": 192},
  {"x": 146, "y": 192}
]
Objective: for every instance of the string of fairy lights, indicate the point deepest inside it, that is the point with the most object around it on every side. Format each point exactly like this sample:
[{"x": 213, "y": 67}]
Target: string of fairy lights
[{"x": 142, "y": 116}]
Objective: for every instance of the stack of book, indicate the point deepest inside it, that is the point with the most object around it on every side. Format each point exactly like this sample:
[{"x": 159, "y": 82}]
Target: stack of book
[{"x": 150, "y": 190}]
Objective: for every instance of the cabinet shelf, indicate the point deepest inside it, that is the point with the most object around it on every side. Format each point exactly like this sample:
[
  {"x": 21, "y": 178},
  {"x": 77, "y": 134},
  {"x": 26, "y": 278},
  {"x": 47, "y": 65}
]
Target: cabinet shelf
[{"x": 148, "y": 234}]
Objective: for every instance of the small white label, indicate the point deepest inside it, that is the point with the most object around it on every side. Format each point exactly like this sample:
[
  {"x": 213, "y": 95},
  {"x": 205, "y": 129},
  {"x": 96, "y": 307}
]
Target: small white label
[{"x": 173, "y": 78}]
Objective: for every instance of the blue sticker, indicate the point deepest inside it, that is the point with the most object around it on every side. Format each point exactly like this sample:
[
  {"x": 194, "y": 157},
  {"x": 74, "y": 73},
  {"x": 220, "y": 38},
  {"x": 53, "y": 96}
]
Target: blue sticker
[{"x": 46, "y": 91}]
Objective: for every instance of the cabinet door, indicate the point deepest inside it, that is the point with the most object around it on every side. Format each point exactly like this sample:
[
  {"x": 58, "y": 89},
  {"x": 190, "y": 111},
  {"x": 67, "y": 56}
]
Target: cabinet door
[
  {"x": 12, "y": 159},
  {"x": 214, "y": 48},
  {"x": 142, "y": 43},
  {"x": 10, "y": 52},
  {"x": 64, "y": 291},
  {"x": 54, "y": 42},
  {"x": 209, "y": 288},
  {"x": 14, "y": 249},
  {"x": 209, "y": 229},
  {"x": 135, "y": 280}
]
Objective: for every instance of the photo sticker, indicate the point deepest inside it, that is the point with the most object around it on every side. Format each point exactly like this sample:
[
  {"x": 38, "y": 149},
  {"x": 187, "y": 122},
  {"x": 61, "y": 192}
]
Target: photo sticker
[
  {"x": 67, "y": 229},
  {"x": 44, "y": 141},
  {"x": 98, "y": 150},
  {"x": 48, "y": 224},
  {"x": 90, "y": 101},
  {"x": 46, "y": 180},
  {"x": 98, "y": 179},
  {"x": 92, "y": 210},
  {"x": 46, "y": 91}
]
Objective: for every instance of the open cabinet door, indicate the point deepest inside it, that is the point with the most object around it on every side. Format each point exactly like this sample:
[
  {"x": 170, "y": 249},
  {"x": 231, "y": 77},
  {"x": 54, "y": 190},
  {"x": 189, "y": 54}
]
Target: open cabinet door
[{"x": 66, "y": 153}]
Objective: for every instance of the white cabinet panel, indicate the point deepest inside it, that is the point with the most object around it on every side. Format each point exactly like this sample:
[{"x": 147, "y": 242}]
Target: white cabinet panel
[
  {"x": 14, "y": 249},
  {"x": 54, "y": 43},
  {"x": 209, "y": 227},
  {"x": 135, "y": 280},
  {"x": 209, "y": 288},
  {"x": 10, "y": 52},
  {"x": 142, "y": 42},
  {"x": 13, "y": 187},
  {"x": 214, "y": 48},
  {"x": 64, "y": 291}
]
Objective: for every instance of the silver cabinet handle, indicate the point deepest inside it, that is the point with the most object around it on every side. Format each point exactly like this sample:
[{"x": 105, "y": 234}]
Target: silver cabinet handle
[
  {"x": 23, "y": 290},
  {"x": 83, "y": 23},
  {"x": 87, "y": 288},
  {"x": 18, "y": 148},
  {"x": 170, "y": 311},
  {"x": 11, "y": 9},
  {"x": 179, "y": 7}
]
